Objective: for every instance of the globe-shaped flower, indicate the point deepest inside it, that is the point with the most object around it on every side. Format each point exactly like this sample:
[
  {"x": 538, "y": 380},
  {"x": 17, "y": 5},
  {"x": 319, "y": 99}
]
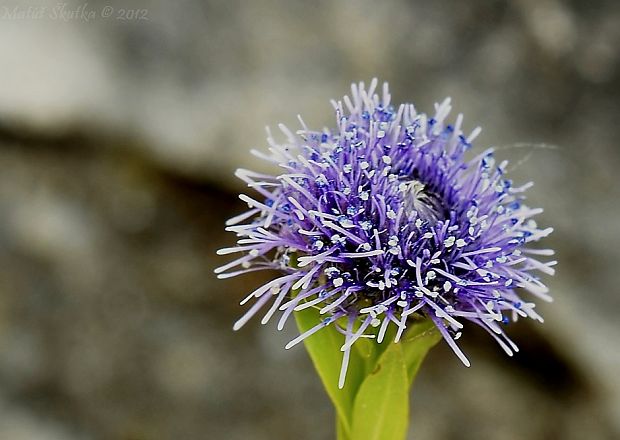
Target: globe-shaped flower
[{"x": 385, "y": 219}]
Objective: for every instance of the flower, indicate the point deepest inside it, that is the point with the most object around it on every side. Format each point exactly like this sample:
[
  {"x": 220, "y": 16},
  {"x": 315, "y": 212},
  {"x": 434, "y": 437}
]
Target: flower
[{"x": 384, "y": 219}]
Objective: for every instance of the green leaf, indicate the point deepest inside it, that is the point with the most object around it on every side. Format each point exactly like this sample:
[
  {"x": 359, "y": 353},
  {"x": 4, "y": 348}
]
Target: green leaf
[
  {"x": 324, "y": 350},
  {"x": 419, "y": 338},
  {"x": 374, "y": 403},
  {"x": 381, "y": 410},
  {"x": 368, "y": 351}
]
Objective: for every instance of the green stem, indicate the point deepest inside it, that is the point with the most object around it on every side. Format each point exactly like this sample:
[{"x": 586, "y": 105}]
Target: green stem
[{"x": 341, "y": 433}]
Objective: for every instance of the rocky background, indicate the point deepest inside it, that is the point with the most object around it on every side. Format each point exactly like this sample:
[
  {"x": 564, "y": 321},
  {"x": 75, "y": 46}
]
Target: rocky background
[{"x": 118, "y": 140}]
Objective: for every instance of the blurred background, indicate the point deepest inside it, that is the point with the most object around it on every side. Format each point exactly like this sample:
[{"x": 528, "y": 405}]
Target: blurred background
[{"x": 121, "y": 123}]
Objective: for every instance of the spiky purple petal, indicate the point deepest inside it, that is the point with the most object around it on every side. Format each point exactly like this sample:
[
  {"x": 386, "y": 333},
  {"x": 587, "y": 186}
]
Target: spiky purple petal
[{"x": 385, "y": 217}]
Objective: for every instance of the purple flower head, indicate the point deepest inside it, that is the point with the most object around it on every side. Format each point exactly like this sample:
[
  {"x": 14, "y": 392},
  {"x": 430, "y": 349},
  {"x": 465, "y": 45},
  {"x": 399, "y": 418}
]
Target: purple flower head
[{"x": 385, "y": 219}]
